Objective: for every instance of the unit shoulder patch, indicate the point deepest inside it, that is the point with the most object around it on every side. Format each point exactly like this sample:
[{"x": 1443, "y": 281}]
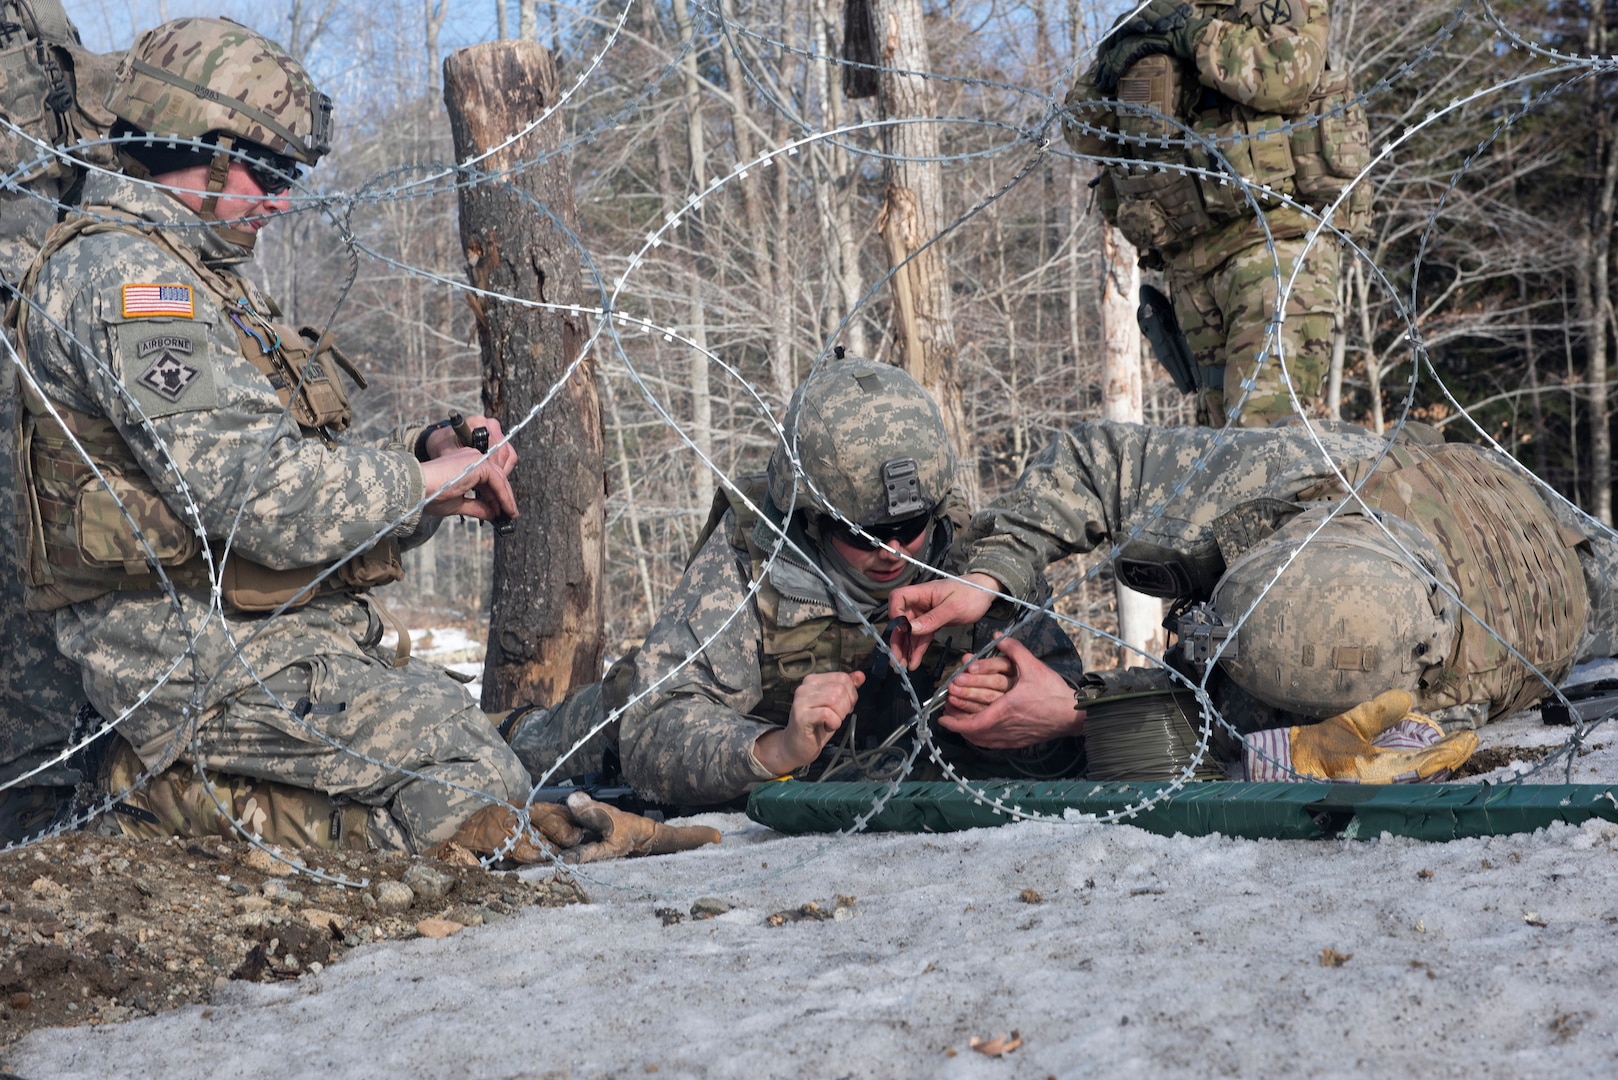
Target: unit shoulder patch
[{"x": 165, "y": 367}]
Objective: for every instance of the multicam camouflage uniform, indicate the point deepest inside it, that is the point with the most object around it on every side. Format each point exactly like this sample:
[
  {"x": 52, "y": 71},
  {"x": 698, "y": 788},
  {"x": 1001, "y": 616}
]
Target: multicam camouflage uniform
[
  {"x": 1519, "y": 562},
  {"x": 1259, "y": 87}
]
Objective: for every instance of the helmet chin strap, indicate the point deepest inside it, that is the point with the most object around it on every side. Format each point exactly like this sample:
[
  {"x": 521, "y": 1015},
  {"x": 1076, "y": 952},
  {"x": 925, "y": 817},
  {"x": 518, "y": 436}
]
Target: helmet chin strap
[{"x": 218, "y": 173}]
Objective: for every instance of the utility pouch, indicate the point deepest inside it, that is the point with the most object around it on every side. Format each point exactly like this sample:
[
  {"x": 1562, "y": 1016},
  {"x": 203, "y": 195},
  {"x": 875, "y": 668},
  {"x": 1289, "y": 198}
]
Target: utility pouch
[
  {"x": 245, "y": 585},
  {"x": 321, "y": 401},
  {"x": 104, "y": 536},
  {"x": 1331, "y": 151}
]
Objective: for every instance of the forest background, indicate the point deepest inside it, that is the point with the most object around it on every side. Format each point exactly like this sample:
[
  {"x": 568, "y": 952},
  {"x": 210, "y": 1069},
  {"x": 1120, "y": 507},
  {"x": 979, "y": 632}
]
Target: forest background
[{"x": 1492, "y": 237}]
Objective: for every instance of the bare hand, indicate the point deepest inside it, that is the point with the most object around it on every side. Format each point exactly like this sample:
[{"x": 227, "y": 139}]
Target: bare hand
[
  {"x": 818, "y": 708},
  {"x": 445, "y": 441},
  {"x": 483, "y": 492},
  {"x": 980, "y": 684},
  {"x": 932, "y": 605},
  {"x": 1038, "y": 706}
]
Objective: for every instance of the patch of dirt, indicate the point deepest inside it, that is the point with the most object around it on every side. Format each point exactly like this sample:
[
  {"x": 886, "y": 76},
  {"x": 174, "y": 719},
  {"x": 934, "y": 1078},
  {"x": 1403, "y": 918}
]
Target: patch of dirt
[
  {"x": 1496, "y": 757},
  {"x": 97, "y": 929}
]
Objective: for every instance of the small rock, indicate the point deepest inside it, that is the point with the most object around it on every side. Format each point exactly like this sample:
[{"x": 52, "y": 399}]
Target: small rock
[
  {"x": 329, "y": 921},
  {"x": 1031, "y": 896},
  {"x": 367, "y": 901},
  {"x": 316, "y": 967},
  {"x": 290, "y": 897},
  {"x": 261, "y": 860},
  {"x": 253, "y": 903},
  {"x": 393, "y": 896},
  {"x": 429, "y": 882},
  {"x": 706, "y": 907},
  {"x": 249, "y": 920},
  {"x": 438, "y": 928},
  {"x": 44, "y": 886},
  {"x": 466, "y": 915}
]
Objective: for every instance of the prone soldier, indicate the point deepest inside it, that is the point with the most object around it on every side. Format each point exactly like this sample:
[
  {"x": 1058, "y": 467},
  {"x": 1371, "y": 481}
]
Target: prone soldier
[
  {"x": 1181, "y": 97},
  {"x": 764, "y": 662},
  {"x": 1340, "y": 576}
]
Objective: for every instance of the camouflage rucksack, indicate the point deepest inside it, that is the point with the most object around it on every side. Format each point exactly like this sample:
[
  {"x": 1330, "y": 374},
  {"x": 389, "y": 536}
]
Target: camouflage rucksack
[{"x": 51, "y": 93}]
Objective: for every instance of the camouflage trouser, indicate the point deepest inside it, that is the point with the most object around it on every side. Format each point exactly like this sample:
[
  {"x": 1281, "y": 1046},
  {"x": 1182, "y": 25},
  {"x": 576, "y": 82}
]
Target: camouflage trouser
[
  {"x": 1225, "y": 312},
  {"x": 415, "y": 717},
  {"x": 177, "y": 802},
  {"x": 542, "y": 738}
]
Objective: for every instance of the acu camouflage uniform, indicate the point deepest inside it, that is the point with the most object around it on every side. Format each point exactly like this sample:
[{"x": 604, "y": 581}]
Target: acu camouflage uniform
[
  {"x": 195, "y": 438},
  {"x": 689, "y": 741},
  {"x": 1518, "y": 561},
  {"x": 40, "y": 56},
  {"x": 1261, "y": 90}
]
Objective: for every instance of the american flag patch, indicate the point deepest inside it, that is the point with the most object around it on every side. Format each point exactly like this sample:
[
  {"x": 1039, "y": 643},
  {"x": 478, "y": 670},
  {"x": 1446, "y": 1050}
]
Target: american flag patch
[{"x": 147, "y": 301}]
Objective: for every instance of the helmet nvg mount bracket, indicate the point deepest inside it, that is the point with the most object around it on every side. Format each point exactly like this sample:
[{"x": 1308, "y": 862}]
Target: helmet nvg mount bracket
[{"x": 870, "y": 446}]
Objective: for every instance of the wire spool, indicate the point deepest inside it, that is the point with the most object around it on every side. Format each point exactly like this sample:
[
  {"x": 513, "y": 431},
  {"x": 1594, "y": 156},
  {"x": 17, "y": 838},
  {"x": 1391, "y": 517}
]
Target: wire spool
[{"x": 1143, "y": 727}]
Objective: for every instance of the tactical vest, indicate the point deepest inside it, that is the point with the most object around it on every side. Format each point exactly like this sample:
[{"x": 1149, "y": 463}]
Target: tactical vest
[
  {"x": 1514, "y": 566},
  {"x": 80, "y": 546},
  {"x": 51, "y": 89},
  {"x": 790, "y": 654},
  {"x": 1310, "y": 156}
]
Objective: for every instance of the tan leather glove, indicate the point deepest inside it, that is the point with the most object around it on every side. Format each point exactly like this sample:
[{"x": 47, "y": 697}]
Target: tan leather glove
[
  {"x": 487, "y": 831},
  {"x": 623, "y": 833},
  {"x": 1341, "y": 748}
]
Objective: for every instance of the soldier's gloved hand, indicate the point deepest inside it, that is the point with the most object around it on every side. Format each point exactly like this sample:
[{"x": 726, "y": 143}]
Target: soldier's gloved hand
[
  {"x": 623, "y": 833},
  {"x": 1378, "y": 742},
  {"x": 1177, "y": 23},
  {"x": 489, "y": 829},
  {"x": 1119, "y": 53}
]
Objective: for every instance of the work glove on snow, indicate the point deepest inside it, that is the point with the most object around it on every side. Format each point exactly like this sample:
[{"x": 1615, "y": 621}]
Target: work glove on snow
[
  {"x": 623, "y": 833},
  {"x": 499, "y": 827},
  {"x": 1378, "y": 742}
]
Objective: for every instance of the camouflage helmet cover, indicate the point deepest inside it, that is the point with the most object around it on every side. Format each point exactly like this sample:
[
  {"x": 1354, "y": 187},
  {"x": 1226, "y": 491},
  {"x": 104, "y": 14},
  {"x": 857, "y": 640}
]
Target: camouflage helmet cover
[
  {"x": 1348, "y": 618},
  {"x": 189, "y": 77},
  {"x": 871, "y": 442}
]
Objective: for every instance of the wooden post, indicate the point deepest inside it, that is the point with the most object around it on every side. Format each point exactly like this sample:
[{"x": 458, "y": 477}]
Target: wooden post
[{"x": 545, "y": 631}]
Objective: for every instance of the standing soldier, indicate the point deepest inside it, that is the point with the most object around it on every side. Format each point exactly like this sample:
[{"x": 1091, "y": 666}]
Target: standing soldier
[{"x": 1221, "y": 122}]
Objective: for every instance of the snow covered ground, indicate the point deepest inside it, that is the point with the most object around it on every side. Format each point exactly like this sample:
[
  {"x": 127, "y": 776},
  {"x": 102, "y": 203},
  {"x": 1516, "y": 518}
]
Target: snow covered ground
[{"x": 1110, "y": 951}]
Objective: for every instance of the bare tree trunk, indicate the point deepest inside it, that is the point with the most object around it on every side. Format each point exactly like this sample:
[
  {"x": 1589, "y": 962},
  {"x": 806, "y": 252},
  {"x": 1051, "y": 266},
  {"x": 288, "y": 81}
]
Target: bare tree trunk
[
  {"x": 434, "y": 12},
  {"x": 1595, "y": 279},
  {"x": 1140, "y": 617},
  {"x": 545, "y": 627},
  {"x": 912, "y": 214},
  {"x": 502, "y": 28}
]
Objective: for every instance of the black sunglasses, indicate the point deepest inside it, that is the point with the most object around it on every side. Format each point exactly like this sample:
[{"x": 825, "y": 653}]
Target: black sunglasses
[
  {"x": 897, "y": 533},
  {"x": 272, "y": 172}
]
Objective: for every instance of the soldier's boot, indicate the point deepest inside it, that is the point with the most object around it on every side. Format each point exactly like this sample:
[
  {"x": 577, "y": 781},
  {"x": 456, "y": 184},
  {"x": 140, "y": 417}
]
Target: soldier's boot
[
  {"x": 178, "y": 802},
  {"x": 29, "y": 810}
]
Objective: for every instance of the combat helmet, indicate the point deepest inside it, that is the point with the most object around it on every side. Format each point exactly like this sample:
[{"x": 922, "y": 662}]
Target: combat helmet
[
  {"x": 216, "y": 80},
  {"x": 1338, "y": 622},
  {"x": 871, "y": 443}
]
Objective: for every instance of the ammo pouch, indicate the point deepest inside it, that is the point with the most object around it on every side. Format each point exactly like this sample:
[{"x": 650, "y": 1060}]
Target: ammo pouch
[{"x": 1331, "y": 151}]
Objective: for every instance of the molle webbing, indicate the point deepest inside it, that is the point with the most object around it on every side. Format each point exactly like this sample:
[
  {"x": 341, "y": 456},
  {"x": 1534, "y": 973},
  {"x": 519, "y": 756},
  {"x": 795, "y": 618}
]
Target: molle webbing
[
  {"x": 1514, "y": 566},
  {"x": 80, "y": 544}
]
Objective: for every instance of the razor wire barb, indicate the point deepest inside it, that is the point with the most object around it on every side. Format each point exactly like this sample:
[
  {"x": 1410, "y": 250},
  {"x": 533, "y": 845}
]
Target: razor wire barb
[{"x": 630, "y": 303}]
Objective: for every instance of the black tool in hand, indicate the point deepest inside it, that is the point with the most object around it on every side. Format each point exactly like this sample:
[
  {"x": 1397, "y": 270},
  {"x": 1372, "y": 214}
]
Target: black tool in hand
[{"x": 478, "y": 439}]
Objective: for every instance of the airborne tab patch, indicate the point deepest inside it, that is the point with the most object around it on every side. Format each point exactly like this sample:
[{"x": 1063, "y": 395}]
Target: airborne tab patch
[
  {"x": 166, "y": 368},
  {"x": 159, "y": 301}
]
